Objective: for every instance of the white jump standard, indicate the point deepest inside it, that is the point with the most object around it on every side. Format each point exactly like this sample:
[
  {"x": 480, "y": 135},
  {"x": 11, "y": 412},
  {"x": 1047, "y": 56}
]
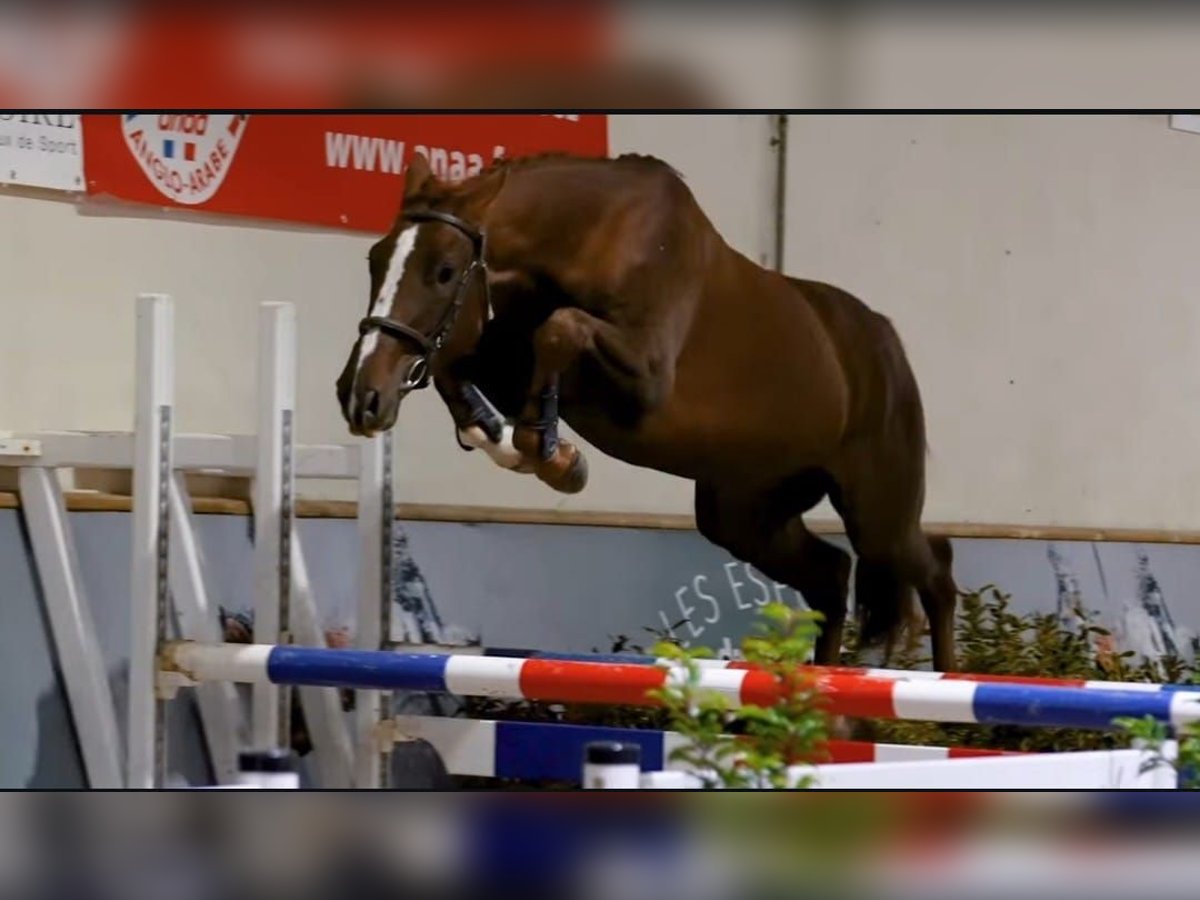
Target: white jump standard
[
  {"x": 284, "y": 607},
  {"x": 169, "y": 597}
]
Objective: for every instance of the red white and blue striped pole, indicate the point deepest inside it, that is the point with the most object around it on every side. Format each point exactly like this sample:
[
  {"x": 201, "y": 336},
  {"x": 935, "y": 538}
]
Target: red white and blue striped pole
[
  {"x": 567, "y": 681},
  {"x": 893, "y": 674}
]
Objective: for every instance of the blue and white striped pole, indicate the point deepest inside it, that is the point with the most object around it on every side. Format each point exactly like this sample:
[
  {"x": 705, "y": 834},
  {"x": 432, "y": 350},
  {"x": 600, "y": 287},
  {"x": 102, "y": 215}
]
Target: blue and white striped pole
[{"x": 582, "y": 682}]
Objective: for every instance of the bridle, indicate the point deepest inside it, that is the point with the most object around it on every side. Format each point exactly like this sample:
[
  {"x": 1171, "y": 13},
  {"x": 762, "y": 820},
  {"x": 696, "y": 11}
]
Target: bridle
[{"x": 432, "y": 342}]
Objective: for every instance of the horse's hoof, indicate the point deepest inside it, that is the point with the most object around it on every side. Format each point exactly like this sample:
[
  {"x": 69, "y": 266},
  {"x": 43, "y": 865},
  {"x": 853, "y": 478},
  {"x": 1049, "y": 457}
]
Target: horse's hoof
[
  {"x": 527, "y": 441},
  {"x": 566, "y": 471}
]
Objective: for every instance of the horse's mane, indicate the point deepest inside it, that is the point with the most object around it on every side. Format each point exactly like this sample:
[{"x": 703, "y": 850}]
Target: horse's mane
[
  {"x": 444, "y": 190},
  {"x": 532, "y": 161},
  {"x": 515, "y": 163}
]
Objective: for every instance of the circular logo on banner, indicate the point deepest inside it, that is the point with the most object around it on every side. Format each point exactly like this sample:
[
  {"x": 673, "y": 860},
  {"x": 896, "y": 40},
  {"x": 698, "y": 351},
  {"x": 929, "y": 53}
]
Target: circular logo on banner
[{"x": 185, "y": 155}]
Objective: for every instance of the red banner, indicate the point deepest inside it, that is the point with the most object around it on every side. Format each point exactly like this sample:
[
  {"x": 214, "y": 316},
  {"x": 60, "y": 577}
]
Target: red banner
[{"x": 336, "y": 170}]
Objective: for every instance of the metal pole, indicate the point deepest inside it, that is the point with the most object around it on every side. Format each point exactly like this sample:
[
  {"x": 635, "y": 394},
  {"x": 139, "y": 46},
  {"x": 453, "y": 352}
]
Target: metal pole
[
  {"x": 273, "y": 489},
  {"x": 149, "y": 588},
  {"x": 85, "y": 675},
  {"x": 780, "y": 142},
  {"x": 387, "y": 592},
  {"x": 333, "y": 756},
  {"x": 376, "y": 512},
  {"x": 220, "y": 710}
]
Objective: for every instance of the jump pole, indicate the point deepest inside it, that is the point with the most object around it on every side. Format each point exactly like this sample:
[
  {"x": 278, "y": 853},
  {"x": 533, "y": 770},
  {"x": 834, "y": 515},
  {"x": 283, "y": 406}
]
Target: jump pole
[
  {"x": 283, "y": 590},
  {"x": 274, "y": 486},
  {"x": 149, "y": 588},
  {"x": 891, "y": 674},
  {"x": 579, "y": 682},
  {"x": 376, "y": 517}
]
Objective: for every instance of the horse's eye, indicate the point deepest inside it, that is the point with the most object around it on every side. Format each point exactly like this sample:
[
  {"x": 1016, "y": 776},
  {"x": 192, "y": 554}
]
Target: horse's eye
[{"x": 444, "y": 273}]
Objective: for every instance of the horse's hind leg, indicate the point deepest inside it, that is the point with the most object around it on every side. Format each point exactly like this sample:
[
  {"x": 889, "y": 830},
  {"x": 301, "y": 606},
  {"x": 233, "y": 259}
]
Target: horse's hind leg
[
  {"x": 768, "y": 533},
  {"x": 880, "y": 502},
  {"x": 939, "y": 595}
]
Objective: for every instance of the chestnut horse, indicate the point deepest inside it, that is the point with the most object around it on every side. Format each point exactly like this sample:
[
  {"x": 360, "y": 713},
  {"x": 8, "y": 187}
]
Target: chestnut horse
[{"x": 599, "y": 290}]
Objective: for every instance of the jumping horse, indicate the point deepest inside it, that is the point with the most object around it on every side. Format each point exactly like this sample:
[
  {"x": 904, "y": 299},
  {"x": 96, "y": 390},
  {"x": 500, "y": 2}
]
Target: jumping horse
[{"x": 598, "y": 290}]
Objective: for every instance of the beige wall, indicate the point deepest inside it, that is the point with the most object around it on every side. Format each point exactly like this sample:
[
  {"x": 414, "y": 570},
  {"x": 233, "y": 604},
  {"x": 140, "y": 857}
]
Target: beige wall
[
  {"x": 1037, "y": 267},
  {"x": 70, "y": 275},
  {"x": 1040, "y": 271}
]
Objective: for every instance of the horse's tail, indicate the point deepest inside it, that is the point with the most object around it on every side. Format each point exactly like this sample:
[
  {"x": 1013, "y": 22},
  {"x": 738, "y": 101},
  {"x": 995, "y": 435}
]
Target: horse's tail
[
  {"x": 891, "y": 617},
  {"x": 890, "y": 623},
  {"x": 886, "y": 613}
]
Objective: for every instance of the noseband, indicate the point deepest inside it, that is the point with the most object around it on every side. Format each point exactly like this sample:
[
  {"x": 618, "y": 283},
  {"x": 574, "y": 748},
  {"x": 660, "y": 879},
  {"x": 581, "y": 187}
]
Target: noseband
[{"x": 431, "y": 342}]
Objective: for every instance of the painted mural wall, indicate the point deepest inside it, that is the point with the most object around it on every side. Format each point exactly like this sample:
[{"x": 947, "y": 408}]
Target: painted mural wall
[{"x": 568, "y": 588}]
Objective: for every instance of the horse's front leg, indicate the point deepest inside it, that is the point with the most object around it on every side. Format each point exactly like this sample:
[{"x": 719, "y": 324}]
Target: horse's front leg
[
  {"x": 567, "y": 336},
  {"x": 479, "y": 425},
  {"x": 486, "y": 429}
]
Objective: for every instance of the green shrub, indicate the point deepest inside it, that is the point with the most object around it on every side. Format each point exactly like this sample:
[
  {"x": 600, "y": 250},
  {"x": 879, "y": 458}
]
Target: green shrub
[
  {"x": 991, "y": 640},
  {"x": 771, "y": 737},
  {"x": 1153, "y": 734}
]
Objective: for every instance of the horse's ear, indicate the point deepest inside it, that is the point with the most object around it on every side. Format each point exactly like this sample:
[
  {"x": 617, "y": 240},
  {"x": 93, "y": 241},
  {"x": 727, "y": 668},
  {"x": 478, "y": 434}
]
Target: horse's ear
[
  {"x": 418, "y": 176},
  {"x": 487, "y": 191}
]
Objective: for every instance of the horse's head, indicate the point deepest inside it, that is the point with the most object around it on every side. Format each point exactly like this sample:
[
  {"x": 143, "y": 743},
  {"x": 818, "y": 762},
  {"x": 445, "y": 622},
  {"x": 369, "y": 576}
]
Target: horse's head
[{"x": 424, "y": 273}]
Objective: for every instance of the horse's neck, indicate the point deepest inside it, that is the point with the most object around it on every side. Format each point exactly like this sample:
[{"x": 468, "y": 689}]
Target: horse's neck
[{"x": 535, "y": 225}]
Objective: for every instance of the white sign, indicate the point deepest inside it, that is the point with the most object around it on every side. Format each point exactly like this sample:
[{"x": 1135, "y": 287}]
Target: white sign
[
  {"x": 185, "y": 156},
  {"x": 1186, "y": 123},
  {"x": 41, "y": 150}
]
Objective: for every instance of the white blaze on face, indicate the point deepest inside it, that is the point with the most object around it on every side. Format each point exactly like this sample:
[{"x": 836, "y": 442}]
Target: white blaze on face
[{"x": 382, "y": 305}]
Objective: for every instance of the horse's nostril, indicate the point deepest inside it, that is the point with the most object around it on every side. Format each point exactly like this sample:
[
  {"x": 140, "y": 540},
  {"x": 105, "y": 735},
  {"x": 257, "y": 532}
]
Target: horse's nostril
[{"x": 370, "y": 404}]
